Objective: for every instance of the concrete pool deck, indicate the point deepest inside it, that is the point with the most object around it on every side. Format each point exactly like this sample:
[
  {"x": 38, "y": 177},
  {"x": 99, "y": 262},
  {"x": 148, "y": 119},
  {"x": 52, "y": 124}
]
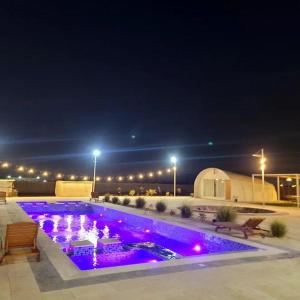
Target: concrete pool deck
[{"x": 274, "y": 276}]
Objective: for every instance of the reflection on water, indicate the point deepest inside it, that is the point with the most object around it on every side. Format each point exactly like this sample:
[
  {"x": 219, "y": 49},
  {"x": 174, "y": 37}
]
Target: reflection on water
[
  {"x": 55, "y": 219},
  {"x": 105, "y": 232},
  {"x": 68, "y": 228},
  {"x": 69, "y": 222}
]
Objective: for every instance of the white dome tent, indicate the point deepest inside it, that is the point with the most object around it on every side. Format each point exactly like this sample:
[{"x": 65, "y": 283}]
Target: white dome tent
[{"x": 213, "y": 183}]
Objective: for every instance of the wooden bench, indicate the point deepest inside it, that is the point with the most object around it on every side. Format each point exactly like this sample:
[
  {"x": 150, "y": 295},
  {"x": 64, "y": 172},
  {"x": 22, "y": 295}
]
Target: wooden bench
[{"x": 21, "y": 236}]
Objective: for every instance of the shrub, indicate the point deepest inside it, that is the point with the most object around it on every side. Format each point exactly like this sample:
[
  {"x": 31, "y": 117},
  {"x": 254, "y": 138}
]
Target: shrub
[
  {"x": 131, "y": 193},
  {"x": 151, "y": 192},
  {"x": 115, "y": 200},
  {"x": 140, "y": 202},
  {"x": 186, "y": 211},
  {"x": 278, "y": 229},
  {"x": 126, "y": 201},
  {"x": 172, "y": 212},
  {"x": 106, "y": 198},
  {"x": 226, "y": 214},
  {"x": 161, "y": 206}
]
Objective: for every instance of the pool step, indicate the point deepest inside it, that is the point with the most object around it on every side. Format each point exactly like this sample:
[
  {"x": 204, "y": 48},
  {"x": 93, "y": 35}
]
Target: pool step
[{"x": 153, "y": 248}]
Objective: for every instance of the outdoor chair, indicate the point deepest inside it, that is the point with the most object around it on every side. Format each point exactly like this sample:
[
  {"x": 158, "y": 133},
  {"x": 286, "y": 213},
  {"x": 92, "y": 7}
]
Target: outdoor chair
[
  {"x": 250, "y": 227},
  {"x": 21, "y": 240},
  {"x": 3, "y": 197},
  {"x": 95, "y": 196}
]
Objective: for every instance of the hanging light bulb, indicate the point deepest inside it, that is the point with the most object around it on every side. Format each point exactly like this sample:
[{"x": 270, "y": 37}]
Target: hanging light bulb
[
  {"x": 5, "y": 165},
  {"x": 20, "y": 169}
]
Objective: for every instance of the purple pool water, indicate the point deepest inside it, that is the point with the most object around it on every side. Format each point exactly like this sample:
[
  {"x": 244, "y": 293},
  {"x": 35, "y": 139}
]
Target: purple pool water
[{"x": 143, "y": 239}]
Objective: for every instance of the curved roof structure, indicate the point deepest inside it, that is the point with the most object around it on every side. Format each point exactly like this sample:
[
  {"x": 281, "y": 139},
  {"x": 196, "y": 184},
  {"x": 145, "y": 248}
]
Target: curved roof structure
[{"x": 215, "y": 183}]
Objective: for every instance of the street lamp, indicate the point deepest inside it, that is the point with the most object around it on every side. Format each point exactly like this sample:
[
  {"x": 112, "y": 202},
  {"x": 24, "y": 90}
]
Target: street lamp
[
  {"x": 260, "y": 154},
  {"x": 174, "y": 162},
  {"x": 96, "y": 153}
]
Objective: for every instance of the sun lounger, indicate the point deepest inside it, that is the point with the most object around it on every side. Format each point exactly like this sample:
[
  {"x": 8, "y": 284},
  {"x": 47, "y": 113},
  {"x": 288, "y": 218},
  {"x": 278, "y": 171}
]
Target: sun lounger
[
  {"x": 250, "y": 227},
  {"x": 21, "y": 236}
]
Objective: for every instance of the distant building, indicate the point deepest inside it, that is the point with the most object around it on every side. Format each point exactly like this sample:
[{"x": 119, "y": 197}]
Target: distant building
[
  {"x": 7, "y": 186},
  {"x": 73, "y": 188},
  {"x": 213, "y": 183}
]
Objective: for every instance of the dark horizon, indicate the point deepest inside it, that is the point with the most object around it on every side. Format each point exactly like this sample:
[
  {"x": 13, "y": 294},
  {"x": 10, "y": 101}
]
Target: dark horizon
[{"x": 75, "y": 76}]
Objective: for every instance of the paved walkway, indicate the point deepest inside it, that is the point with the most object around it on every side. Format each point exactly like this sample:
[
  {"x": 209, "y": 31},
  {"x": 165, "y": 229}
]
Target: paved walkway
[{"x": 270, "y": 279}]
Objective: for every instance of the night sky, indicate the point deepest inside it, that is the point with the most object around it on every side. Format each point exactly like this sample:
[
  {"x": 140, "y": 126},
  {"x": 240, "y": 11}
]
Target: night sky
[{"x": 176, "y": 74}]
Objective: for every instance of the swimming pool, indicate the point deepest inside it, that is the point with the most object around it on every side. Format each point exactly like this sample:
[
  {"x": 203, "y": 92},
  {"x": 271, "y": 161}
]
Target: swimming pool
[{"x": 141, "y": 239}]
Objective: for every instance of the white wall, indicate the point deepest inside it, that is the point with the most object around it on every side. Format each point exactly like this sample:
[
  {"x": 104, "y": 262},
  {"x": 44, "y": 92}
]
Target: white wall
[
  {"x": 73, "y": 188},
  {"x": 242, "y": 189}
]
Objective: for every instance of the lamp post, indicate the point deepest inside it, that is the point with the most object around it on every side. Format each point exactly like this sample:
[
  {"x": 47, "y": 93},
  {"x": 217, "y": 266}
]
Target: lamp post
[
  {"x": 174, "y": 162},
  {"x": 262, "y": 157},
  {"x": 96, "y": 153}
]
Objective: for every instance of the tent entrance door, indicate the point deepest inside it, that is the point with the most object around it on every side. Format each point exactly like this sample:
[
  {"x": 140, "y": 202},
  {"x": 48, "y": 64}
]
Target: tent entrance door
[{"x": 214, "y": 188}]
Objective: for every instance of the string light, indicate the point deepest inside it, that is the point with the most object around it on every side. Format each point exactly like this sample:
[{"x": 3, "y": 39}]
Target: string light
[
  {"x": 5, "y": 165},
  {"x": 73, "y": 177},
  {"x": 21, "y": 169}
]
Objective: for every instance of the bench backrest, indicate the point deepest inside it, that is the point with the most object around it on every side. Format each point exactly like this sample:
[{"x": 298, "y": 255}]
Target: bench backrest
[
  {"x": 21, "y": 234},
  {"x": 253, "y": 222}
]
